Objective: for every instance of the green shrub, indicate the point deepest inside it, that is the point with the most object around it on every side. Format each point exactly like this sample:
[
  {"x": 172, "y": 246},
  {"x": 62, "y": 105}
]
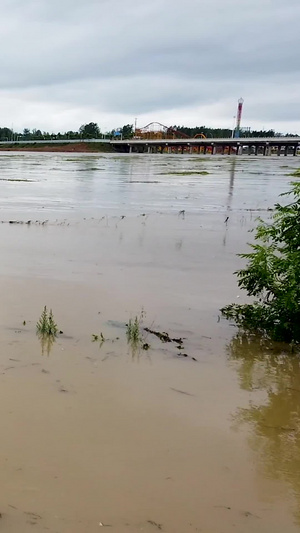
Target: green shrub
[{"x": 272, "y": 276}]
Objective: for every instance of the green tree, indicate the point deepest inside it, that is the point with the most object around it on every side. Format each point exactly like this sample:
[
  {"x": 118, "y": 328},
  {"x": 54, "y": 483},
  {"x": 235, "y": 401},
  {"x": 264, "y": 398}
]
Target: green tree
[
  {"x": 26, "y": 133},
  {"x": 71, "y": 134},
  {"x": 37, "y": 134},
  {"x": 6, "y": 134},
  {"x": 127, "y": 131},
  {"x": 272, "y": 276},
  {"x": 89, "y": 131}
]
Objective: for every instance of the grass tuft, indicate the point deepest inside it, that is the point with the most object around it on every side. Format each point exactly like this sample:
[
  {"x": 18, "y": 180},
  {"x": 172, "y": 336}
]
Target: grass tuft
[
  {"x": 46, "y": 324},
  {"x": 133, "y": 332}
]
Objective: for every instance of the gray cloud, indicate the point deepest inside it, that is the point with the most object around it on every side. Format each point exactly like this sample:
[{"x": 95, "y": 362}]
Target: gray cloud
[{"x": 115, "y": 59}]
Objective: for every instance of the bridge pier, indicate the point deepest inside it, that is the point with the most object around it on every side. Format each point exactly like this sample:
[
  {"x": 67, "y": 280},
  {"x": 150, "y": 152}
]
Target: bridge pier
[
  {"x": 286, "y": 150},
  {"x": 256, "y": 149},
  {"x": 279, "y": 150},
  {"x": 249, "y": 149},
  {"x": 213, "y": 149},
  {"x": 295, "y": 150}
]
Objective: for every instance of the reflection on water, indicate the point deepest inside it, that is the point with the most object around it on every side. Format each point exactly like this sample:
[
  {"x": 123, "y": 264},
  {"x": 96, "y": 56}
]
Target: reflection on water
[
  {"x": 137, "y": 352},
  {"x": 275, "y": 421},
  {"x": 231, "y": 183},
  {"x": 47, "y": 342},
  {"x": 230, "y": 197}
]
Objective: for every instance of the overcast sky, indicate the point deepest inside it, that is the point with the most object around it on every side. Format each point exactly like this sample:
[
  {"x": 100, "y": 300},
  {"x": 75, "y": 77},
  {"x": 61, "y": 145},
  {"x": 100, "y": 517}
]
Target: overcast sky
[{"x": 68, "y": 62}]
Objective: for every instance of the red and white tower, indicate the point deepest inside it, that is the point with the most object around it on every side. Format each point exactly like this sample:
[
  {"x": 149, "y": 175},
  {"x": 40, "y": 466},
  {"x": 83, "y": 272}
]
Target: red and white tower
[{"x": 239, "y": 117}]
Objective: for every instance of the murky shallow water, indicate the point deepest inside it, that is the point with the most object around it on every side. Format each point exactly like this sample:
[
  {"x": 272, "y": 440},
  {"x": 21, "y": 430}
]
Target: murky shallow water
[{"x": 140, "y": 441}]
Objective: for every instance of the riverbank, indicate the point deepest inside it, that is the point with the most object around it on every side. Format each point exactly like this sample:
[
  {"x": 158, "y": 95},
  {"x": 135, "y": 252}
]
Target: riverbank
[{"x": 58, "y": 147}]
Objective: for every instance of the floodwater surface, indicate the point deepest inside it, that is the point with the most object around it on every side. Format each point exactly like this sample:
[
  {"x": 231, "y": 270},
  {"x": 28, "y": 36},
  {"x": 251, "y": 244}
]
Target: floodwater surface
[{"x": 201, "y": 434}]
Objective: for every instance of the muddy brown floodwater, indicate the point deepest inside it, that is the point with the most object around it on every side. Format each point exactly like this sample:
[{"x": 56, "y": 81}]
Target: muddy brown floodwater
[{"x": 100, "y": 435}]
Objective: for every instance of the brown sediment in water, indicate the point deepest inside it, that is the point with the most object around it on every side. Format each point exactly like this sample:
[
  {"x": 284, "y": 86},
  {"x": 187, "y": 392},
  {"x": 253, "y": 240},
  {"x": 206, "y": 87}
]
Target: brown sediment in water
[
  {"x": 99, "y": 435},
  {"x": 86, "y": 428}
]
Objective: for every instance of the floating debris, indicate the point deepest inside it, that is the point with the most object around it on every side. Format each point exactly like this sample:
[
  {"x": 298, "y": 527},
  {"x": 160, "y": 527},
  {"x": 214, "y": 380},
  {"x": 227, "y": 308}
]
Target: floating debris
[
  {"x": 155, "y": 524},
  {"x": 164, "y": 336},
  {"x": 182, "y": 392}
]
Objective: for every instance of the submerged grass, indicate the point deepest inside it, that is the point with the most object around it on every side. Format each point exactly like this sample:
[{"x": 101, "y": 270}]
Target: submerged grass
[
  {"x": 47, "y": 330},
  {"x": 133, "y": 332},
  {"x": 186, "y": 173},
  {"x": 98, "y": 338},
  {"x": 296, "y": 173},
  {"x": 46, "y": 325}
]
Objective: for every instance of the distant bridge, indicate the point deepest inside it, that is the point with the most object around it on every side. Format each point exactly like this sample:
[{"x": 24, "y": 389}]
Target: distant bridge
[{"x": 250, "y": 145}]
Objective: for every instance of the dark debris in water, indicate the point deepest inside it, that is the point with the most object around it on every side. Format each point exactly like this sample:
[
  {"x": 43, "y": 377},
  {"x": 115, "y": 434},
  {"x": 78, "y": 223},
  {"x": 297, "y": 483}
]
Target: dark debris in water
[
  {"x": 164, "y": 336},
  {"x": 146, "y": 346},
  {"x": 36, "y": 222},
  {"x": 180, "y": 354},
  {"x": 155, "y": 524},
  {"x": 181, "y": 392},
  {"x": 26, "y": 222},
  {"x": 16, "y": 179}
]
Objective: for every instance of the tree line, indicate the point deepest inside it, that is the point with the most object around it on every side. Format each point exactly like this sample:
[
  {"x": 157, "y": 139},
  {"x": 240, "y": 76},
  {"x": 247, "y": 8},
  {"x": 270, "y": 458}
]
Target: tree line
[
  {"x": 93, "y": 131},
  {"x": 86, "y": 131},
  {"x": 226, "y": 132}
]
